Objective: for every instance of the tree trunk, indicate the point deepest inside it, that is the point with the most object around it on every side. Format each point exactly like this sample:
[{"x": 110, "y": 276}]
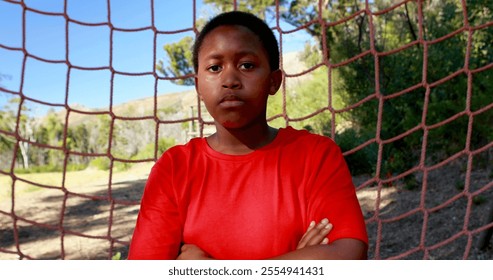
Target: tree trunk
[{"x": 24, "y": 147}]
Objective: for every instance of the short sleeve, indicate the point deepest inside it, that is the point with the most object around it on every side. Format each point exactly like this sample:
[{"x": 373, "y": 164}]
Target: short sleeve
[
  {"x": 158, "y": 231},
  {"x": 331, "y": 194}
]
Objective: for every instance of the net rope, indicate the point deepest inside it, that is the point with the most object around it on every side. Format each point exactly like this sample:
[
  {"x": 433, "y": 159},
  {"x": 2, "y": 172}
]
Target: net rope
[{"x": 376, "y": 221}]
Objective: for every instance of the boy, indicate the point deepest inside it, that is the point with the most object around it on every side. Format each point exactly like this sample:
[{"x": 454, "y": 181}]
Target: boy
[{"x": 249, "y": 191}]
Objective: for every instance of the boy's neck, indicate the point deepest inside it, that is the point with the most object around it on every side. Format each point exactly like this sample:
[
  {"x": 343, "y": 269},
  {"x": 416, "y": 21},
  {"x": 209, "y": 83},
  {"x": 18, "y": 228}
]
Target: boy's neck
[{"x": 241, "y": 141}]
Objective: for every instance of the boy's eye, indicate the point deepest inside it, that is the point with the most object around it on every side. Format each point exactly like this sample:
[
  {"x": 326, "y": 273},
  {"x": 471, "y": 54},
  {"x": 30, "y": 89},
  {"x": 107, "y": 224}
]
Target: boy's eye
[
  {"x": 247, "y": 66},
  {"x": 214, "y": 68}
]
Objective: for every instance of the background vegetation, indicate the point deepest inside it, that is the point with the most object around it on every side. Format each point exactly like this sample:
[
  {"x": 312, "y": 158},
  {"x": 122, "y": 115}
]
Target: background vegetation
[{"x": 361, "y": 66}]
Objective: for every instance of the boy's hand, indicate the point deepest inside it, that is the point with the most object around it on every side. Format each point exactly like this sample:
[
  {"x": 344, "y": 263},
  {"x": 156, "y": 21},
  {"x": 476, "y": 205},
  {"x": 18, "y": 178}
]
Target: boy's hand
[
  {"x": 315, "y": 234},
  {"x": 192, "y": 252}
]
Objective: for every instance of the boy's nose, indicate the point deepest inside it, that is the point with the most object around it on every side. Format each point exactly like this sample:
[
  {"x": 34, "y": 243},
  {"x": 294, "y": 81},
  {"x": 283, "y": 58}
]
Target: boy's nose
[{"x": 231, "y": 80}]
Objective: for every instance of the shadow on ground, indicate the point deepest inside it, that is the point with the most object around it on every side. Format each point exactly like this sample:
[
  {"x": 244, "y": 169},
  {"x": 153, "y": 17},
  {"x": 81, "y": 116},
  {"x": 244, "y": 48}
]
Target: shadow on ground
[{"x": 92, "y": 222}]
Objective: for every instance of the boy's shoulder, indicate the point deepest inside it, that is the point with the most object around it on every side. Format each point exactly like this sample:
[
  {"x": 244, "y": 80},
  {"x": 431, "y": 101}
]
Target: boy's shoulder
[
  {"x": 193, "y": 146},
  {"x": 305, "y": 137}
]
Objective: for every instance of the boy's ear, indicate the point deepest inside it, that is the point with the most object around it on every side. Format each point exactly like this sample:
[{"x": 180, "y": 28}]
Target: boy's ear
[
  {"x": 275, "y": 81},
  {"x": 197, "y": 86}
]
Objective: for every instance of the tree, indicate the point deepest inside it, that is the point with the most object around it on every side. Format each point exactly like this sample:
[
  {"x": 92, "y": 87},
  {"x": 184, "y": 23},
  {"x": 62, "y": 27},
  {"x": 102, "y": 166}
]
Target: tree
[
  {"x": 260, "y": 8},
  {"x": 15, "y": 118},
  {"x": 307, "y": 104},
  {"x": 180, "y": 62},
  {"x": 403, "y": 69},
  {"x": 51, "y": 133}
]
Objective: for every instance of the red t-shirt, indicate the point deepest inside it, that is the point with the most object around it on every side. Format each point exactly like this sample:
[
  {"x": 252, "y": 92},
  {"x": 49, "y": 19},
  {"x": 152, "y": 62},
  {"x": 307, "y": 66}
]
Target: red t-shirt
[{"x": 253, "y": 206}]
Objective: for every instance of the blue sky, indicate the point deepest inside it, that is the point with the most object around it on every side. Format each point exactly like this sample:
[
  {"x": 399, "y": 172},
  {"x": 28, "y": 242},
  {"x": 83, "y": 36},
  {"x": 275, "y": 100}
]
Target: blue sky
[{"x": 88, "y": 46}]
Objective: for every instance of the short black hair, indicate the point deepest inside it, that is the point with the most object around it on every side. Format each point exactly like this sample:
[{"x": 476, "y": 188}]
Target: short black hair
[{"x": 248, "y": 20}]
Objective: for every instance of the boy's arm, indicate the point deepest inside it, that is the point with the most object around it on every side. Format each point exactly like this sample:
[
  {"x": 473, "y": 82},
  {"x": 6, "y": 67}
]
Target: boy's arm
[
  {"x": 312, "y": 246},
  {"x": 192, "y": 252},
  {"x": 158, "y": 230},
  {"x": 342, "y": 249},
  {"x": 314, "y": 235}
]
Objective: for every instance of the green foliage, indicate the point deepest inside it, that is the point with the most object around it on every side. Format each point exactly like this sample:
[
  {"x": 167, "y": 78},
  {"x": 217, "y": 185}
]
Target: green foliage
[
  {"x": 7, "y": 120},
  {"x": 102, "y": 129},
  {"x": 129, "y": 137},
  {"x": 101, "y": 163},
  {"x": 121, "y": 166},
  {"x": 307, "y": 103},
  {"x": 50, "y": 168},
  {"x": 479, "y": 199},
  {"x": 185, "y": 125},
  {"x": 87, "y": 137},
  {"x": 15, "y": 118},
  {"x": 260, "y": 8},
  {"x": 312, "y": 97},
  {"x": 38, "y": 169},
  {"x": 180, "y": 62},
  {"x": 362, "y": 161},
  {"x": 55, "y": 138},
  {"x": 76, "y": 167},
  {"x": 402, "y": 70},
  {"x": 104, "y": 164},
  {"x": 117, "y": 256},
  {"x": 78, "y": 138},
  {"x": 148, "y": 151},
  {"x": 411, "y": 183},
  {"x": 459, "y": 185},
  {"x": 168, "y": 110}
]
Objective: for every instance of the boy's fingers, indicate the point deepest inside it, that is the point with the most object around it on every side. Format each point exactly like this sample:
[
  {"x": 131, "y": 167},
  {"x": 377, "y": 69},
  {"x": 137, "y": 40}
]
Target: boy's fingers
[
  {"x": 185, "y": 247},
  {"x": 303, "y": 239},
  {"x": 315, "y": 234},
  {"x": 319, "y": 233},
  {"x": 310, "y": 227},
  {"x": 308, "y": 231},
  {"x": 312, "y": 224}
]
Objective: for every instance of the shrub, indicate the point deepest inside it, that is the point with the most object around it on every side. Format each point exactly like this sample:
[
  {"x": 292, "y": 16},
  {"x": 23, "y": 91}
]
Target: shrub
[
  {"x": 362, "y": 161},
  {"x": 101, "y": 163}
]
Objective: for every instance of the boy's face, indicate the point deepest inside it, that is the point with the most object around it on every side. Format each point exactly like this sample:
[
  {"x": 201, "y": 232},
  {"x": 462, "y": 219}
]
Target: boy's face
[{"x": 234, "y": 78}]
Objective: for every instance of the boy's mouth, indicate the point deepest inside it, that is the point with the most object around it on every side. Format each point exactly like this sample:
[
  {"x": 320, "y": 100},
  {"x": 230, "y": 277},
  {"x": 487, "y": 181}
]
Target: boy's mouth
[{"x": 231, "y": 101}]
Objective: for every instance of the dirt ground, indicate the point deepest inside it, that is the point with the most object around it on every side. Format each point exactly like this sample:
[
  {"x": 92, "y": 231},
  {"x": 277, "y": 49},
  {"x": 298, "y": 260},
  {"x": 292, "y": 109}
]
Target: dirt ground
[{"x": 82, "y": 223}]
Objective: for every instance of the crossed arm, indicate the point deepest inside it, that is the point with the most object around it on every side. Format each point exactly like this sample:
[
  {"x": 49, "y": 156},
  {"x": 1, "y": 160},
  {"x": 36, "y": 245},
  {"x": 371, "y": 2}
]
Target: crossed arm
[{"x": 312, "y": 246}]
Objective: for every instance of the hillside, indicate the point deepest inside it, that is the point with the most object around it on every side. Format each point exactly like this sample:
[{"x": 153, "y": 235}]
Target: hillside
[{"x": 143, "y": 107}]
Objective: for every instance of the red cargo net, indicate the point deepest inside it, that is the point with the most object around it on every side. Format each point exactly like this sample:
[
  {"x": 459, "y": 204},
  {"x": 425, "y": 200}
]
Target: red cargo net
[{"x": 17, "y": 238}]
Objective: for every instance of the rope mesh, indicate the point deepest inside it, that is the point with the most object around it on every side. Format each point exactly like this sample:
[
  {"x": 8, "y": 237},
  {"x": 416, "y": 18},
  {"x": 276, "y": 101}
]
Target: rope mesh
[{"x": 63, "y": 225}]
